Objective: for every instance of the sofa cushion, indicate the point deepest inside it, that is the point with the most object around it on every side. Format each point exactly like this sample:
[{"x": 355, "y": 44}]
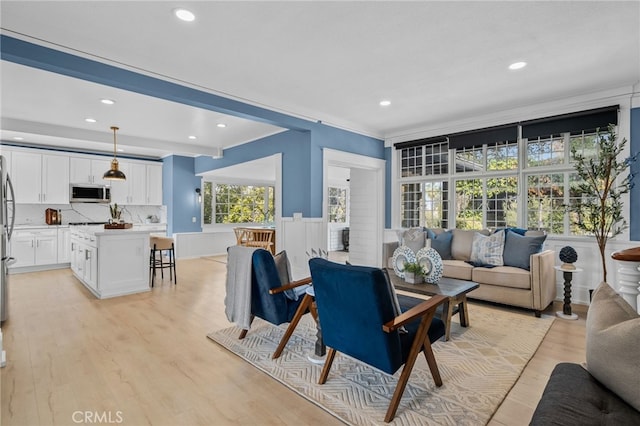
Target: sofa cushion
[
  {"x": 457, "y": 269},
  {"x": 487, "y": 249},
  {"x": 613, "y": 344},
  {"x": 441, "y": 242},
  {"x": 462, "y": 241},
  {"x": 519, "y": 248},
  {"x": 573, "y": 397},
  {"x": 503, "y": 276},
  {"x": 413, "y": 238}
]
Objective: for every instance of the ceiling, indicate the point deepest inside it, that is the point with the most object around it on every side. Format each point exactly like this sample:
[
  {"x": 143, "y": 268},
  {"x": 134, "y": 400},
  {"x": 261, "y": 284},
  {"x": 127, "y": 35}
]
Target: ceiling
[{"x": 437, "y": 62}]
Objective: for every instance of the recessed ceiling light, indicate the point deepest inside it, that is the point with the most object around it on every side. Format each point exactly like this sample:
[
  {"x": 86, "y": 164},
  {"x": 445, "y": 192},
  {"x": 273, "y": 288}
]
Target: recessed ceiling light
[
  {"x": 120, "y": 150},
  {"x": 184, "y": 15},
  {"x": 90, "y": 120},
  {"x": 517, "y": 65},
  {"x": 385, "y": 103},
  {"x": 107, "y": 101},
  {"x": 18, "y": 138},
  {"x": 222, "y": 125},
  {"x": 192, "y": 137}
]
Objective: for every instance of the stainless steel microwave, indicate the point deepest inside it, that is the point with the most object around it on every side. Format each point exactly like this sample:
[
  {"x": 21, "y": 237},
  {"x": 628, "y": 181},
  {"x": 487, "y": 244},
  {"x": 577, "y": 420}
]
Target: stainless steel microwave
[{"x": 86, "y": 193}]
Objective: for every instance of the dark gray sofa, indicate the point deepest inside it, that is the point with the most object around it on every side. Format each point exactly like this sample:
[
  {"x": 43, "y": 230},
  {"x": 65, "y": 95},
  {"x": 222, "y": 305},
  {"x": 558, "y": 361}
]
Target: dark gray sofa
[
  {"x": 574, "y": 397},
  {"x": 607, "y": 390}
]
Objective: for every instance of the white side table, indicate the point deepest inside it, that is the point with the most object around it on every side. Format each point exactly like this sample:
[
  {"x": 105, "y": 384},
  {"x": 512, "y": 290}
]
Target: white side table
[{"x": 567, "y": 274}]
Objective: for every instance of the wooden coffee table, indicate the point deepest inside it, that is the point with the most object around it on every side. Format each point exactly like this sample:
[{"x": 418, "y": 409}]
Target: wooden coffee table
[{"x": 456, "y": 290}]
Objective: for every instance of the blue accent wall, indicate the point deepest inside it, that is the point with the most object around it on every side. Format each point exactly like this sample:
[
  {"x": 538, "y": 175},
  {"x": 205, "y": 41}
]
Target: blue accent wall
[
  {"x": 301, "y": 146},
  {"x": 634, "y": 196},
  {"x": 179, "y": 184},
  {"x": 301, "y": 162}
]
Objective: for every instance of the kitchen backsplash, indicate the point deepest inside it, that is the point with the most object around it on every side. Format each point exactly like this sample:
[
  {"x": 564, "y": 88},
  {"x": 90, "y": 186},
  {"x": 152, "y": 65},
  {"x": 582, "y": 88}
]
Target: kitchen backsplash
[{"x": 34, "y": 214}]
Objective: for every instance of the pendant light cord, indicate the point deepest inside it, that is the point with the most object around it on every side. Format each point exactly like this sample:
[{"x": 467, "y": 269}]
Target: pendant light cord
[{"x": 114, "y": 128}]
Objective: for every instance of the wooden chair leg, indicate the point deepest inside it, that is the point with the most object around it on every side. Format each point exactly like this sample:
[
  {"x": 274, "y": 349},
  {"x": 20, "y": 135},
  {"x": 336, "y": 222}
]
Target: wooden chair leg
[
  {"x": 243, "y": 333},
  {"x": 416, "y": 347},
  {"x": 302, "y": 309},
  {"x": 431, "y": 361},
  {"x": 331, "y": 354}
]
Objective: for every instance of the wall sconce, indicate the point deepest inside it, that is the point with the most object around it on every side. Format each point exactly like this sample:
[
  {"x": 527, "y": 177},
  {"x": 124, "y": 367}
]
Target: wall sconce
[{"x": 199, "y": 195}]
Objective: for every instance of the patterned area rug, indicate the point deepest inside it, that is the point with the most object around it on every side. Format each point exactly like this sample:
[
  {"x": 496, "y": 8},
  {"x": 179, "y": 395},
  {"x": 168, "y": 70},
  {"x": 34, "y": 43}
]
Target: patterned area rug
[{"x": 479, "y": 365}]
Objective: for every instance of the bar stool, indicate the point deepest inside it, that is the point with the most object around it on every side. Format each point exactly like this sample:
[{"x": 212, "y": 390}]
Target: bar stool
[{"x": 157, "y": 259}]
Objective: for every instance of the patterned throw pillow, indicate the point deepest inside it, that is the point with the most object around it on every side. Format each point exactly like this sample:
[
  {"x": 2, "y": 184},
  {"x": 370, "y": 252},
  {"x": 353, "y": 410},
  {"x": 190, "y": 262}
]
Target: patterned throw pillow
[
  {"x": 487, "y": 250},
  {"x": 413, "y": 238}
]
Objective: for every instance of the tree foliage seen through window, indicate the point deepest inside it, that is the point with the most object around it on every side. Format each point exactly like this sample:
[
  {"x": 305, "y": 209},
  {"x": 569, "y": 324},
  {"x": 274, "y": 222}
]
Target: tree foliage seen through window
[{"x": 238, "y": 203}]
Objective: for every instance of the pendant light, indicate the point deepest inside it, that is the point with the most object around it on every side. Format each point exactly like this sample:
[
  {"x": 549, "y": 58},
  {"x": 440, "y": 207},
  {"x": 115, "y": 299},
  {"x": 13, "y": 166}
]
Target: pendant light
[{"x": 113, "y": 173}]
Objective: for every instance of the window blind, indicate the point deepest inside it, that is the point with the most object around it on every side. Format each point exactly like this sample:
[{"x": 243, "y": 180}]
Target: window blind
[
  {"x": 489, "y": 135},
  {"x": 588, "y": 120}
]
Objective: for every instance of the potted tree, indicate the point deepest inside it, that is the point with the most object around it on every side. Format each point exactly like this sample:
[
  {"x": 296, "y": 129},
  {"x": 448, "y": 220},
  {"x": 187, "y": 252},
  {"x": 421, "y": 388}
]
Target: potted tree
[
  {"x": 603, "y": 179},
  {"x": 413, "y": 273}
]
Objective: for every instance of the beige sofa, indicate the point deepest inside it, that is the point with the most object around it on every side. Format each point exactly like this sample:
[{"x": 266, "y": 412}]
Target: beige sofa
[{"x": 532, "y": 289}]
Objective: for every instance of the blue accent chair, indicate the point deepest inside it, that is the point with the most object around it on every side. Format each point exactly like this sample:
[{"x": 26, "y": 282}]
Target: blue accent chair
[
  {"x": 357, "y": 316},
  {"x": 268, "y": 300}
]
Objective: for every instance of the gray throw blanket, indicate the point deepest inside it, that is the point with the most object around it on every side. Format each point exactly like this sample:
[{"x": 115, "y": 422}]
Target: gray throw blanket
[{"x": 237, "y": 302}]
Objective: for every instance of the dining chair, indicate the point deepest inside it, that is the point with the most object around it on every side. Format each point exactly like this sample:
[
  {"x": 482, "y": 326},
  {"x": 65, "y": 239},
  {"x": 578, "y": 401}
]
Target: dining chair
[
  {"x": 262, "y": 238},
  {"x": 241, "y": 235}
]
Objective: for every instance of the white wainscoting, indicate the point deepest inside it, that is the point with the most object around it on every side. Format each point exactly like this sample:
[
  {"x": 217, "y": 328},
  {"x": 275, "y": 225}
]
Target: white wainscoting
[
  {"x": 295, "y": 235},
  {"x": 207, "y": 243},
  {"x": 588, "y": 260},
  {"x": 335, "y": 236}
]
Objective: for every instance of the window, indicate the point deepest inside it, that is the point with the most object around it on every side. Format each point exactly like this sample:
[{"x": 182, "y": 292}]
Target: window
[
  {"x": 525, "y": 179},
  {"x": 469, "y": 204},
  {"x": 434, "y": 156},
  {"x": 229, "y": 203},
  {"x": 545, "y": 151},
  {"x": 337, "y": 205},
  {"x": 425, "y": 204}
]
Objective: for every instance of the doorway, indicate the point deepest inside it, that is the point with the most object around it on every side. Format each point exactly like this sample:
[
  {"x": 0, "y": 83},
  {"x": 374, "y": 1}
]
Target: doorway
[{"x": 365, "y": 203}]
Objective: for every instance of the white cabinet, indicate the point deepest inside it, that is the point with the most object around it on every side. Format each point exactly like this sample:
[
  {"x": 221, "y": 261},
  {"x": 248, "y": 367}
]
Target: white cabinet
[
  {"x": 34, "y": 247},
  {"x": 110, "y": 262},
  {"x": 134, "y": 189},
  {"x": 84, "y": 259},
  {"x": 88, "y": 170},
  {"x": 40, "y": 178},
  {"x": 64, "y": 245},
  {"x": 154, "y": 185}
]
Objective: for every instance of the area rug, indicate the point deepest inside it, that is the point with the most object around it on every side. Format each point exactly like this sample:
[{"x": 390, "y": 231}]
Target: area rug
[{"x": 478, "y": 365}]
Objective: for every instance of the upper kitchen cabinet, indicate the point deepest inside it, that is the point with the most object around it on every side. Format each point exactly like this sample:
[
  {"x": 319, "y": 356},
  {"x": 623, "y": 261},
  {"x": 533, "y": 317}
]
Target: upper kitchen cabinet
[
  {"x": 133, "y": 190},
  {"x": 154, "y": 184},
  {"x": 40, "y": 178},
  {"x": 87, "y": 170}
]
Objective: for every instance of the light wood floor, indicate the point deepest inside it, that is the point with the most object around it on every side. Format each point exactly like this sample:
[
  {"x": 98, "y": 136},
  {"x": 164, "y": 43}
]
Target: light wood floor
[{"x": 145, "y": 359}]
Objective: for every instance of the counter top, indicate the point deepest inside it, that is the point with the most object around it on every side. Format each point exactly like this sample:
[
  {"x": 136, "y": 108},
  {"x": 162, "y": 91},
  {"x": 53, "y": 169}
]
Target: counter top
[
  {"x": 43, "y": 226},
  {"x": 99, "y": 230}
]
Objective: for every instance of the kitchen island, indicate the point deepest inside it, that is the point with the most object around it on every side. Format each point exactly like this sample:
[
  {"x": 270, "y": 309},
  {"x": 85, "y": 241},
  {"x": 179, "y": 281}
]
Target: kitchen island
[{"x": 110, "y": 262}]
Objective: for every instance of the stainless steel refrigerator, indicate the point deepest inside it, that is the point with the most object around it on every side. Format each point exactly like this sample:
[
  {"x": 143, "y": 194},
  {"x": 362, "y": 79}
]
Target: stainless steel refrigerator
[{"x": 7, "y": 220}]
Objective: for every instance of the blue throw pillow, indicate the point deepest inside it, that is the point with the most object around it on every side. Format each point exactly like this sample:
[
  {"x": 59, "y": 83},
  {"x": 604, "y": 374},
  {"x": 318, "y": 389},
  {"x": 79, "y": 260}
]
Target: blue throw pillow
[
  {"x": 519, "y": 231},
  {"x": 441, "y": 243},
  {"x": 518, "y": 249}
]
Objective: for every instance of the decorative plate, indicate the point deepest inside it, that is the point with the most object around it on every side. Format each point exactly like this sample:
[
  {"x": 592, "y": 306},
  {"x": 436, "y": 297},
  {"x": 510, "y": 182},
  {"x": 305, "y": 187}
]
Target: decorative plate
[
  {"x": 432, "y": 264},
  {"x": 401, "y": 255}
]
